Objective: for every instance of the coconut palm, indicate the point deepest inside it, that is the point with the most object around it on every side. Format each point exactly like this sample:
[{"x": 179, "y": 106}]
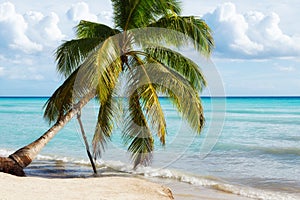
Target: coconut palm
[{"x": 139, "y": 47}]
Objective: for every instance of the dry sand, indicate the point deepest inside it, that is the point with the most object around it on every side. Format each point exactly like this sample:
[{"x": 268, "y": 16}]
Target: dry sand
[
  {"x": 103, "y": 188},
  {"x": 110, "y": 188}
]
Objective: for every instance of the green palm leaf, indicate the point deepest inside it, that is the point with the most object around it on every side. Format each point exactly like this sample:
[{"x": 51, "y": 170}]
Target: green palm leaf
[
  {"x": 62, "y": 99},
  {"x": 129, "y": 14},
  {"x": 104, "y": 126},
  {"x": 101, "y": 69},
  {"x": 141, "y": 82},
  {"x": 137, "y": 133},
  {"x": 196, "y": 29},
  {"x": 181, "y": 64},
  {"x": 86, "y": 29},
  {"x": 72, "y": 53},
  {"x": 98, "y": 72},
  {"x": 108, "y": 105},
  {"x": 182, "y": 94},
  {"x": 174, "y": 30}
]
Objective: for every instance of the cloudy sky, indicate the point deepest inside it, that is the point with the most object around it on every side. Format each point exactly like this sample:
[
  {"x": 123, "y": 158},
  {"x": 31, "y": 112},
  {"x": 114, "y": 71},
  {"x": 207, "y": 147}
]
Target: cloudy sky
[{"x": 257, "y": 44}]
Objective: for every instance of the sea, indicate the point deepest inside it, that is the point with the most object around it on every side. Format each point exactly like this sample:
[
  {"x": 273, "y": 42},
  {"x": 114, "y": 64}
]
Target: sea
[{"x": 249, "y": 146}]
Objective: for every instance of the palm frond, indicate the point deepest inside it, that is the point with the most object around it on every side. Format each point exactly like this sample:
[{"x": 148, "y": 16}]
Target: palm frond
[
  {"x": 104, "y": 126},
  {"x": 129, "y": 14},
  {"x": 108, "y": 110},
  {"x": 99, "y": 72},
  {"x": 181, "y": 64},
  {"x": 169, "y": 82},
  {"x": 178, "y": 31},
  {"x": 71, "y": 53},
  {"x": 149, "y": 98},
  {"x": 101, "y": 68},
  {"x": 61, "y": 100},
  {"x": 87, "y": 29},
  {"x": 137, "y": 133}
]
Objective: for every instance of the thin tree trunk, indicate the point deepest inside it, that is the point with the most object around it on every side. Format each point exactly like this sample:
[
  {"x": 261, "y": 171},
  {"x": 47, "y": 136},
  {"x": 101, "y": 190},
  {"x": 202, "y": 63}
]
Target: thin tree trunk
[
  {"x": 24, "y": 156},
  {"x": 86, "y": 142}
]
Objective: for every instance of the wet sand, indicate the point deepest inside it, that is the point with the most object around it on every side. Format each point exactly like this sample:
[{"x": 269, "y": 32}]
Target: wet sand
[{"x": 185, "y": 191}]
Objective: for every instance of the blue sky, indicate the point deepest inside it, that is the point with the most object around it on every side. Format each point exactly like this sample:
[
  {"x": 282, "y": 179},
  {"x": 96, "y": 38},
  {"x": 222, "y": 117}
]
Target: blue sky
[{"x": 257, "y": 44}]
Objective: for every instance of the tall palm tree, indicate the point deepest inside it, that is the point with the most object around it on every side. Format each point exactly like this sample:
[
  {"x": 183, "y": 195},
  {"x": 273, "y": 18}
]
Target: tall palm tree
[{"x": 140, "y": 47}]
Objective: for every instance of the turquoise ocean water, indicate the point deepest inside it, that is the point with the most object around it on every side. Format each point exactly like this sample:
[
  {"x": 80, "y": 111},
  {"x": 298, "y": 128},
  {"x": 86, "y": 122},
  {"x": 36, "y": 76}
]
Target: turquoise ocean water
[{"x": 256, "y": 155}]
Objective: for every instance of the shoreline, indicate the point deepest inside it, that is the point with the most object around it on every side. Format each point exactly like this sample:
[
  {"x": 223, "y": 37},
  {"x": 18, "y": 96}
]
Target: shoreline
[
  {"x": 107, "y": 187},
  {"x": 185, "y": 191},
  {"x": 49, "y": 171},
  {"x": 183, "y": 186}
]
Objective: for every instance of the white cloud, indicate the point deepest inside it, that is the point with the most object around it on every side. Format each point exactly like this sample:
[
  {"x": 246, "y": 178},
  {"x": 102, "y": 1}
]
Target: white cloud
[
  {"x": 30, "y": 32},
  {"x": 106, "y": 17},
  {"x": 44, "y": 29},
  {"x": 13, "y": 29},
  {"x": 51, "y": 29},
  {"x": 33, "y": 16},
  {"x": 250, "y": 35},
  {"x": 2, "y": 71},
  {"x": 80, "y": 11}
]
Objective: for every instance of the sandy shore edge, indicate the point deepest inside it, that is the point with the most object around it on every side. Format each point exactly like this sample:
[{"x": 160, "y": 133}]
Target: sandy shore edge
[{"x": 12, "y": 187}]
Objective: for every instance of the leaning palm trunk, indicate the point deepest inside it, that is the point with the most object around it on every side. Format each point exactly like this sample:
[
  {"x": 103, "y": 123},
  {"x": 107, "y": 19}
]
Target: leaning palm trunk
[{"x": 17, "y": 161}]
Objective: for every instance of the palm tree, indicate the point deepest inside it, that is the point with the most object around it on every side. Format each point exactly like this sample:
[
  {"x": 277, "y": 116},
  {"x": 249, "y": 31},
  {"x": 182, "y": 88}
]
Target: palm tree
[{"x": 141, "y": 48}]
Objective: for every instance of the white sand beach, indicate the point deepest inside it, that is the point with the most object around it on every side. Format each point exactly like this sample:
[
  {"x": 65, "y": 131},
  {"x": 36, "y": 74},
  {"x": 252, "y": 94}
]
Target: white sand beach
[{"x": 104, "y": 188}]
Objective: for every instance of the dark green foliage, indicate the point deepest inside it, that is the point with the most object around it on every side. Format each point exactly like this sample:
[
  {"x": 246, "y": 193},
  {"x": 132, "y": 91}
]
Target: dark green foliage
[{"x": 129, "y": 14}]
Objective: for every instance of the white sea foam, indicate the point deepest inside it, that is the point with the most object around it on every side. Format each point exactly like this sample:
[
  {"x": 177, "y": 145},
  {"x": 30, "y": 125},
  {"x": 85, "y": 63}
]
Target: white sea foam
[
  {"x": 205, "y": 182},
  {"x": 5, "y": 152},
  {"x": 63, "y": 159}
]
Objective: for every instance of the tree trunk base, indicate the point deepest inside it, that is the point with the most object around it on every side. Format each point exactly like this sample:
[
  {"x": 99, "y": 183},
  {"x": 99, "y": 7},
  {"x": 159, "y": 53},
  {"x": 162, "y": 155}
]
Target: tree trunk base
[{"x": 9, "y": 166}]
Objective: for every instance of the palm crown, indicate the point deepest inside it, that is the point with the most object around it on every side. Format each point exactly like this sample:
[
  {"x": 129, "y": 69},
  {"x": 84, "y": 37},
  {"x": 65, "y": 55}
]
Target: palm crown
[{"x": 140, "y": 48}]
